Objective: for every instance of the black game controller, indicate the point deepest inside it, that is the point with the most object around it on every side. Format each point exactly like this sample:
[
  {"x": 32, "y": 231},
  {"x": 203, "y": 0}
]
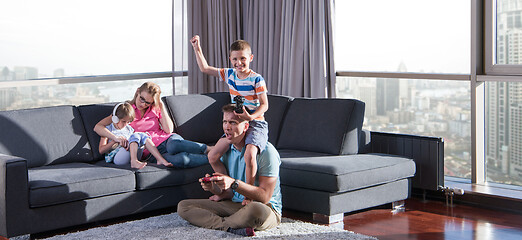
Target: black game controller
[{"x": 240, "y": 100}]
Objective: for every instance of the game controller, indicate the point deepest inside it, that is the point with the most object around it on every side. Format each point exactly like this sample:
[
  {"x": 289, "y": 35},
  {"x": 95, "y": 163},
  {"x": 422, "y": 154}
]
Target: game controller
[
  {"x": 206, "y": 179},
  {"x": 239, "y": 100}
]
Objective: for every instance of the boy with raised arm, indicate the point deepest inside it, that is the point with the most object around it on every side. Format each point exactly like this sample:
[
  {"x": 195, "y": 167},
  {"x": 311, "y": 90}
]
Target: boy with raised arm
[{"x": 242, "y": 81}]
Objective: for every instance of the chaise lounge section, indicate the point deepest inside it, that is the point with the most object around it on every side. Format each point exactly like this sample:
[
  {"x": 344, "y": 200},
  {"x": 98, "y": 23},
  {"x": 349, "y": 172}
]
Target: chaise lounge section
[{"x": 324, "y": 168}]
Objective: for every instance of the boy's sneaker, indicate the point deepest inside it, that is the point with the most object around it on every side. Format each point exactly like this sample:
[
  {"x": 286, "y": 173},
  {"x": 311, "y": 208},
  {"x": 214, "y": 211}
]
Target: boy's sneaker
[{"x": 249, "y": 232}]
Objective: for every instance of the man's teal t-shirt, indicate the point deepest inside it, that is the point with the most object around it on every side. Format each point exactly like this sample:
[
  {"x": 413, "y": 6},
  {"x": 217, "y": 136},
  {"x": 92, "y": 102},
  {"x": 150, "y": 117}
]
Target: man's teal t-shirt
[{"x": 268, "y": 163}]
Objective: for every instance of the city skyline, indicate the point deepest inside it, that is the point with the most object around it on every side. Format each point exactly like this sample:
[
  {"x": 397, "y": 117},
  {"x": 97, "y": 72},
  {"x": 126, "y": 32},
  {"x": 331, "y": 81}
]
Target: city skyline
[{"x": 435, "y": 108}]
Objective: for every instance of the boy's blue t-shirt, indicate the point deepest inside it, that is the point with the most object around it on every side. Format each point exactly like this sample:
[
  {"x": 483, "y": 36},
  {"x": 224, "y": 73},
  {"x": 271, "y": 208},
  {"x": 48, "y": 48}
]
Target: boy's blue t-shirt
[{"x": 268, "y": 163}]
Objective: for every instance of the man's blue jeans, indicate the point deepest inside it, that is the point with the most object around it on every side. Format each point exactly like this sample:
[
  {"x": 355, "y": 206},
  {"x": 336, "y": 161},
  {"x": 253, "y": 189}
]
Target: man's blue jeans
[{"x": 182, "y": 153}]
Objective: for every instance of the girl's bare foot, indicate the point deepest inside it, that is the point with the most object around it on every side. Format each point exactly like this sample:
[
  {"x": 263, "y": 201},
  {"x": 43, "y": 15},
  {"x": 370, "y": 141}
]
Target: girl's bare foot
[
  {"x": 164, "y": 163},
  {"x": 208, "y": 149},
  {"x": 137, "y": 164}
]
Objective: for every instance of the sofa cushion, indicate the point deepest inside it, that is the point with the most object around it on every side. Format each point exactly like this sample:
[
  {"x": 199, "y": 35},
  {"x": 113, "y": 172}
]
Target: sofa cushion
[
  {"x": 322, "y": 125},
  {"x": 344, "y": 173},
  {"x": 92, "y": 114},
  {"x": 198, "y": 117},
  {"x": 277, "y": 106},
  {"x": 156, "y": 176},
  {"x": 49, "y": 135},
  {"x": 55, "y": 184}
]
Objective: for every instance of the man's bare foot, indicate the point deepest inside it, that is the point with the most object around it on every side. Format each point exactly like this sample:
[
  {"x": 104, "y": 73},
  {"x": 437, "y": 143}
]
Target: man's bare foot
[
  {"x": 216, "y": 198},
  {"x": 137, "y": 164},
  {"x": 223, "y": 196}
]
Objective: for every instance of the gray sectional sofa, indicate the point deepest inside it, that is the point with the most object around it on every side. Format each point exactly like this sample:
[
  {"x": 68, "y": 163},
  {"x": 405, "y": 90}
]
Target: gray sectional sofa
[{"x": 52, "y": 176}]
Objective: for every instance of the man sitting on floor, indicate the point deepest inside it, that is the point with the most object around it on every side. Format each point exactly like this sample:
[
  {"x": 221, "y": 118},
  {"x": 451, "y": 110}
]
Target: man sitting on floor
[{"x": 227, "y": 213}]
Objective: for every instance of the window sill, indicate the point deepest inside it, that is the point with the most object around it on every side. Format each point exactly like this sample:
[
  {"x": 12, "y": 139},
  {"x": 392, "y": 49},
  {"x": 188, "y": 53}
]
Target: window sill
[
  {"x": 493, "y": 189},
  {"x": 491, "y": 195}
]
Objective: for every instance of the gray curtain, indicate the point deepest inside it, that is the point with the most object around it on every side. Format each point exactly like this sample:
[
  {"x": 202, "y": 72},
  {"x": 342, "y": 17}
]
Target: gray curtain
[
  {"x": 262, "y": 24},
  {"x": 218, "y": 25},
  {"x": 291, "y": 42}
]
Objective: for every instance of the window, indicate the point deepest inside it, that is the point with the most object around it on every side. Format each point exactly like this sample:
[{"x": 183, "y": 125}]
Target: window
[
  {"x": 403, "y": 36},
  {"x": 57, "y": 38},
  {"x": 22, "y": 97},
  {"x": 504, "y": 37},
  {"x": 503, "y": 91},
  {"x": 504, "y": 132},
  {"x": 420, "y": 107},
  {"x": 89, "y": 51},
  {"x": 412, "y": 69}
]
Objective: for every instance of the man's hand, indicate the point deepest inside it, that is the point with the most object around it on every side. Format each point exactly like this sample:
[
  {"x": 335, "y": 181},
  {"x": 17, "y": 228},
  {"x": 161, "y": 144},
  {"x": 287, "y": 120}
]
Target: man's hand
[
  {"x": 223, "y": 181},
  {"x": 211, "y": 186},
  {"x": 261, "y": 193}
]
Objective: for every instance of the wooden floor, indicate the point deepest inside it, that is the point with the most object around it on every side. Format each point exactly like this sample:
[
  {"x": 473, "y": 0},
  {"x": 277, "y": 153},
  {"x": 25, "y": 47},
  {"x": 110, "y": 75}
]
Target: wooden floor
[
  {"x": 422, "y": 220},
  {"x": 431, "y": 220}
]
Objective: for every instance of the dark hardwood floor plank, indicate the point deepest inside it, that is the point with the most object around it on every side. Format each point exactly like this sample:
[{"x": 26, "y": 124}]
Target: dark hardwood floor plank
[{"x": 434, "y": 220}]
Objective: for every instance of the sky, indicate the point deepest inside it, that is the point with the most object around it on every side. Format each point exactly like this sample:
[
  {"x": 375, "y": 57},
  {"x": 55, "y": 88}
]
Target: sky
[
  {"x": 371, "y": 35},
  {"x": 77, "y": 35},
  {"x": 426, "y": 35}
]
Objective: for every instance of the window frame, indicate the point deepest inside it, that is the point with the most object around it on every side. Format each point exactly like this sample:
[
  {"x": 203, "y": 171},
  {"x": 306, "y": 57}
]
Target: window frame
[
  {"x": 490, "y": 49},
  {"x": 91, "y": 79}
]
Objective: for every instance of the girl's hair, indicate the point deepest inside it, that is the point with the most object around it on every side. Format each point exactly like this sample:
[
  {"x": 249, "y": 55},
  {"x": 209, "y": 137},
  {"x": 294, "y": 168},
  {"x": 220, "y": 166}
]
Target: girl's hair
[
  {"x": 125, "y": 110},
  {"x": 153, "y": 89}
]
